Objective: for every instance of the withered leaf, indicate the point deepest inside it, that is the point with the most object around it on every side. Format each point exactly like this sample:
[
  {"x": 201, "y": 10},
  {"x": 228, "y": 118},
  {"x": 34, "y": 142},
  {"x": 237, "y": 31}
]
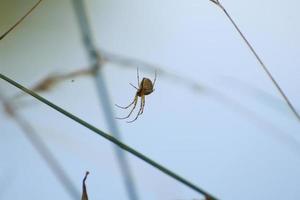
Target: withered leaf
[{"x": 84, "y": 191}]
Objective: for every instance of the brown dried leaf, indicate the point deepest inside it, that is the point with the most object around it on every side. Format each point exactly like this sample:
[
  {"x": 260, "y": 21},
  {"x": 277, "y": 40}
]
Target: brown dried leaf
[
  {"x": 208, "y": 198},
  {"x": 46, "y": 84},
  {"x": 84, "y": 191}
]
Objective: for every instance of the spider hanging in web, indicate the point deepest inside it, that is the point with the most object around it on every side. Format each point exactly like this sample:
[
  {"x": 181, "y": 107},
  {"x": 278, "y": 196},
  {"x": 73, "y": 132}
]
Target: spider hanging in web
[{"x": 146, "y": 87}]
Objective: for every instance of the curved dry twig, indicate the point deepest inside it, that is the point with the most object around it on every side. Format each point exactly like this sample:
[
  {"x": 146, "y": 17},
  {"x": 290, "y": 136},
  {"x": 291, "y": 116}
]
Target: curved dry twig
[
  {"x": 288, "y": 102},
  {"x": 19, "y": 21}
]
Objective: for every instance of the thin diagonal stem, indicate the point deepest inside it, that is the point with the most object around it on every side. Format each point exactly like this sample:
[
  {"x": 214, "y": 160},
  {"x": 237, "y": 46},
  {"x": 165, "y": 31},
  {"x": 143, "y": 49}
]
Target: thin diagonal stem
[
  {"x": 290, "y": 105},
  {"x": 20, "y": 20},
  {"x": 40, "y": 146},
  {"x": 95, "y": 62},
  {"x": 111, "y": 139}
]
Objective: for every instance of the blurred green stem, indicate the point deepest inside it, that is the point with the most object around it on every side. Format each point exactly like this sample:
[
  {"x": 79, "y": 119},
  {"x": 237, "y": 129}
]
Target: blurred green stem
[{"x": 96, "y": 65}]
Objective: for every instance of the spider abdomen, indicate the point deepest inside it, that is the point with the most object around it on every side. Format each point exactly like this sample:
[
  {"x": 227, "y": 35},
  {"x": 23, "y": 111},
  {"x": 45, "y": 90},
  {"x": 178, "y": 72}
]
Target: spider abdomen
[{"x": 146, "y": 87}]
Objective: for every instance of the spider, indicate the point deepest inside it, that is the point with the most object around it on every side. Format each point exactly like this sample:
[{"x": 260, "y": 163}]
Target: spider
[{"x": 146, "y": 87}]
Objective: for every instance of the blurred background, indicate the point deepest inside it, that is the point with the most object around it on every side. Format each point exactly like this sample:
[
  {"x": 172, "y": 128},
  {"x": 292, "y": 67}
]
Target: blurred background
[{"x": 215, "y": 118}]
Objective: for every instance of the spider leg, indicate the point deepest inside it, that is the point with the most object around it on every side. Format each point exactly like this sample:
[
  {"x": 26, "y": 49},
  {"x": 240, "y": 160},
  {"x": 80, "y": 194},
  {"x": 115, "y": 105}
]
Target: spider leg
[
  {"x": 125, "y": 107},
  {"x": 138, "y": 76},
  {"x": 143, "y": 105},
  {"x": 135, "y": 102},
  {"x": 134, "y": 86},
  {"x": 154, "y": 78},
  {"x": 138, "y": 112}
]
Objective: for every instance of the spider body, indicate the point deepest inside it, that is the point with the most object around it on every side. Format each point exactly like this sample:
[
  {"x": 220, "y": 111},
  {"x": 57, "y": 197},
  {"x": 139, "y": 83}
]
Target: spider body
[{"x": 146, "y": 87}]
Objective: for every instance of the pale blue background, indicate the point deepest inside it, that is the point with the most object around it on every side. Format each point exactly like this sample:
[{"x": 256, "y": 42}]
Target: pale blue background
[{"x": 205, "y": 139}]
